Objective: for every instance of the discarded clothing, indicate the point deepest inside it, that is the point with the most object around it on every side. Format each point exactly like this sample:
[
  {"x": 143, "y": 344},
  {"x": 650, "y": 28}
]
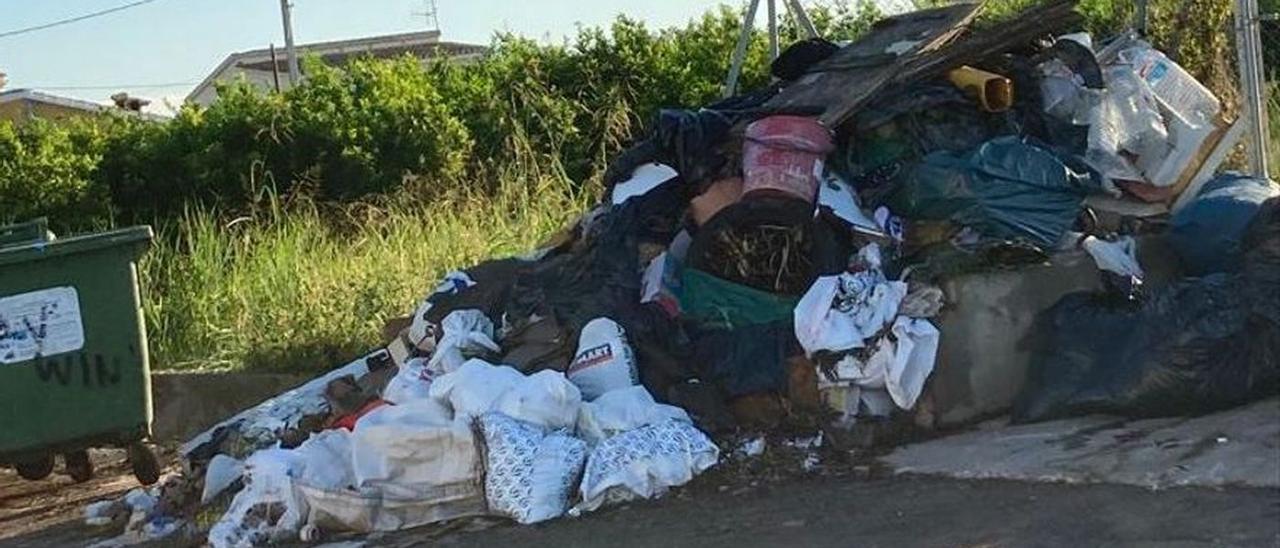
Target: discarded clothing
[
  {"x": 838, "y": 313},
  {"x": 714, "y": 302}
]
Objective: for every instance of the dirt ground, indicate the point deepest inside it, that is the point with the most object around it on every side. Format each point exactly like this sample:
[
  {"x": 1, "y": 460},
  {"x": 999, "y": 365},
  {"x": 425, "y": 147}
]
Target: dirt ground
[
  {"x": 32, "y": 509},
  {"x": 719, "y": 509}
]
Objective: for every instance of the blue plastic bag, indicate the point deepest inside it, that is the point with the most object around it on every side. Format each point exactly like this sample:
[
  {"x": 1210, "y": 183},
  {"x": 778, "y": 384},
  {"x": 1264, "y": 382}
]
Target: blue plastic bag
[{"x": 1206, "y": 234}]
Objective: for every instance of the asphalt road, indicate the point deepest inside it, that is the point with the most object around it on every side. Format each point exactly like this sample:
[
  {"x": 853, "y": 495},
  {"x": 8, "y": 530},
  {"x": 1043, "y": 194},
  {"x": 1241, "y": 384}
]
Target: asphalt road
[
  {"x": 830, "y": 510},
  {"x": 912, "y": 511}
]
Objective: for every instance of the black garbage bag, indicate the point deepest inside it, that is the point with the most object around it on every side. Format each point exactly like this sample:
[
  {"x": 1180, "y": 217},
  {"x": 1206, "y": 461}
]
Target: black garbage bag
[
  {"x": 747, "y": 360},
  {"x": 795, "y": 61},
  {"x": 1008, "y": 189},
  {"x": 1197, "y": 346}
]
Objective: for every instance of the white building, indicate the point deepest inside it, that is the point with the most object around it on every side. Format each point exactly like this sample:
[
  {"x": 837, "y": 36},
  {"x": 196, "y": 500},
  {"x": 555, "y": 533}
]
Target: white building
[{"x": 257, "y": 68}]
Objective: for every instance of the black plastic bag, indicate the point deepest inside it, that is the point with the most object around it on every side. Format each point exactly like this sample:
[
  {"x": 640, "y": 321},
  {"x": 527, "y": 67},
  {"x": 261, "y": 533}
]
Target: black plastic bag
[{"x": 1196, "y": 346}]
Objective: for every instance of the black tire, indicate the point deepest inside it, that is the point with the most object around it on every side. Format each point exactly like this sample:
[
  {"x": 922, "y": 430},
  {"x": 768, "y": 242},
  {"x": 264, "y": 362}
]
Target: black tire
[
  {"x": 145, "y": 466},
  {"x": 78, "y": 466},
  {"x": 36, "y": 469}
]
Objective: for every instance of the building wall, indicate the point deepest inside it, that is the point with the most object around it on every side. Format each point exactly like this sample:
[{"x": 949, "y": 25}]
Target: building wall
[
  {"x": 262, "y": 80},
  {"x": 21, "y": 111}
]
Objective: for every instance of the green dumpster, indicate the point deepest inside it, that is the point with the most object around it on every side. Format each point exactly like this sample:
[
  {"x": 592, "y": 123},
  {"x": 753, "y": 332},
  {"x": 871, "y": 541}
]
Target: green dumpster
[{"x": 73, "y": 350}]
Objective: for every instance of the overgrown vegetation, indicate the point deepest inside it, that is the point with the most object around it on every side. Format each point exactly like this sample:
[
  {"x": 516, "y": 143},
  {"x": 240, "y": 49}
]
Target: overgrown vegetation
[
  {"x": 302, "y": 285},
  {"x": 292, "y": 225}
]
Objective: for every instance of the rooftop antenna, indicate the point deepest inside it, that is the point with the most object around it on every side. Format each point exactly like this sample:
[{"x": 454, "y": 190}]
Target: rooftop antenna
[{"x": 428, "y": 15}]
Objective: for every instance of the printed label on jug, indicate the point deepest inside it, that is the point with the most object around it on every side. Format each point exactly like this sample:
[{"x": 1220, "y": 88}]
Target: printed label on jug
[
  {"x": 592, "y": 357},
  {"x": 40, "y": 323}
]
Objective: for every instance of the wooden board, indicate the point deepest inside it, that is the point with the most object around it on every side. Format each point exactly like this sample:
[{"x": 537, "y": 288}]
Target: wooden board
[{"x": 846, "y": 80}]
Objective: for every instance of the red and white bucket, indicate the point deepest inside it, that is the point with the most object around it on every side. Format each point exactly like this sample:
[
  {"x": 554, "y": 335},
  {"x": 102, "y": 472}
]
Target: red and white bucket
[{"x": 783, "y": 154}]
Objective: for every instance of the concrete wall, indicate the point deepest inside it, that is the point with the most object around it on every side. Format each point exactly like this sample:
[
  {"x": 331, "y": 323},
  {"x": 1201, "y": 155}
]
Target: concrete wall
[{"x": 186, "y": 404}]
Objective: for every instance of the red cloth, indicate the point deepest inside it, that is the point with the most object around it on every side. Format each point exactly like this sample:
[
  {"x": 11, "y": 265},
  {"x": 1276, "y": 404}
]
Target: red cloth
[{"x": 348, "y": 421}]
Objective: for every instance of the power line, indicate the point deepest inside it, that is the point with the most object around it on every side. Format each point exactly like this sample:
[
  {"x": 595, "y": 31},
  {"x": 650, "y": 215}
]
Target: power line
[
  {"x": 115, "y": 86},
  {"x": 60, "y": 22}
]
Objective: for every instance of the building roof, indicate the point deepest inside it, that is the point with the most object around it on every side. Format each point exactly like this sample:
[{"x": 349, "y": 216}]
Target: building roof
[
  {"x": 21, "y": 94},
  {"x": 338, "y": 52}
]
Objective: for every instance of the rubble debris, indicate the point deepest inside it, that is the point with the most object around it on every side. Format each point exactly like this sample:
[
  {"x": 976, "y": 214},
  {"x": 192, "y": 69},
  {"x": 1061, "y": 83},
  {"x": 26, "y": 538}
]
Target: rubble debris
[{"x": 774, "y": 263}]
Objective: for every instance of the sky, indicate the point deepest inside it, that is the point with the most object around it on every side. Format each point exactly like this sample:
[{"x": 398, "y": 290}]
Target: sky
[{"x": 162, "y": 49}]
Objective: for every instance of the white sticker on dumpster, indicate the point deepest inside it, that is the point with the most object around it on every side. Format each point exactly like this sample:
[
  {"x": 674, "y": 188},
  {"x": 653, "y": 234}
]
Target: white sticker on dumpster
[{"x": 40, "y": 323}]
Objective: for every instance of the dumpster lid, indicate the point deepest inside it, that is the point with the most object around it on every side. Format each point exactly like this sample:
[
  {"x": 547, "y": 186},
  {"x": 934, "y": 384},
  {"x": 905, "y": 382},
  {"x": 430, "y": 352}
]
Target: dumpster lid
[{"x": 43, "y": 249}]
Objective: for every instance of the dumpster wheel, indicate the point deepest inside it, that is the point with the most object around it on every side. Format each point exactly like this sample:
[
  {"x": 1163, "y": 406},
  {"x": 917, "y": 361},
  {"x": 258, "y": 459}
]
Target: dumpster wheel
[
  {"x": 145, "y": 466},
  {"x": 78, "y": 466},
  {"x": 36, "y": 469}
]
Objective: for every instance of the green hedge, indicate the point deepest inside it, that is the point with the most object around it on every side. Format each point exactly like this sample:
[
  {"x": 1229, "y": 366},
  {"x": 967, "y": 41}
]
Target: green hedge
[{"x": 377, "y": 127}]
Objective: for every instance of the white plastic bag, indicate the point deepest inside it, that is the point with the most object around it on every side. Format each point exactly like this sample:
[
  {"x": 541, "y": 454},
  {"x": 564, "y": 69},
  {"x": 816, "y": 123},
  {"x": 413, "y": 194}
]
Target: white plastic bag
[
  {"x": 618, "y": 411},
  {"x": 221, "y": 472},
  {"x": 529, "y": 475},
  {"x": 646, "y": 177},
  {"x": 411, "y": 447},
  {"x": 412, "y": 382},
  {"x": 914, "y": 358},
  {"x": 421, "y": 331},
  {"x": 644, "y": 463},
  {"x": 466, "y": 334},
  {"x": 473, "y": 389},
  {"x": 604, "y": 360},
  {"x": 325, "y": 460},
  {"x": 1127, "y": 120},
  {"x": 266, "y": 509},
  {"x": 546, "y": 399},
  {"x": 1119, "y": 256}
]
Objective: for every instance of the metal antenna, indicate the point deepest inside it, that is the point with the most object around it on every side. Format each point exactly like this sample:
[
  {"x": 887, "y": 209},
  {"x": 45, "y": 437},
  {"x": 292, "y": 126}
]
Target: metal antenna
[{"x": 428, "y": 15}]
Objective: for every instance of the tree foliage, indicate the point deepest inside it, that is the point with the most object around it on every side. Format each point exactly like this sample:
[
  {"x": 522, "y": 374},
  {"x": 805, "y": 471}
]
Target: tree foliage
[{"x": 380, "y": 126}]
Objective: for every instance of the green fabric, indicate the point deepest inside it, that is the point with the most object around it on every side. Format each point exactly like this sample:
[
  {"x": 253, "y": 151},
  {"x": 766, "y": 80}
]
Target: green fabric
[{"x": 719, "y": 303}]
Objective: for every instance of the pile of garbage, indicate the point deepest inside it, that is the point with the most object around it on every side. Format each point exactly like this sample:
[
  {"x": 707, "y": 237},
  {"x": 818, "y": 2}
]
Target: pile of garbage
[{"x": 776, "y": 258}]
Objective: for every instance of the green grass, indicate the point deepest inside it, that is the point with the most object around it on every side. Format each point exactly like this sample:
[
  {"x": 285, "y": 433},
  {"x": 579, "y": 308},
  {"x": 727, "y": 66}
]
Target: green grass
[
  {"x": 1273, "y": 123},
  {"x": 299, "y": 286}
]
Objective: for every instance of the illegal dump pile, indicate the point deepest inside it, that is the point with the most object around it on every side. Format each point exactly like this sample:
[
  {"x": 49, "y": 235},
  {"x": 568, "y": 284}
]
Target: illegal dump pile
[{"x": 772, "y": 260}]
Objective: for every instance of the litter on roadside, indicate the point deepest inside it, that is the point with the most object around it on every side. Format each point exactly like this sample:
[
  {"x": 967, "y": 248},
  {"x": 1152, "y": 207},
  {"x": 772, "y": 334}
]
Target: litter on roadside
[{"x": 783, "y": 257}]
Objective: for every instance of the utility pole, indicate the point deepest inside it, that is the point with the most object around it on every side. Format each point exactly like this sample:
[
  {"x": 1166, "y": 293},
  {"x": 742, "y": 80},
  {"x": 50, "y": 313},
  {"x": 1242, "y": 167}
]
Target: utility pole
[{"x": 294, "y": 75}]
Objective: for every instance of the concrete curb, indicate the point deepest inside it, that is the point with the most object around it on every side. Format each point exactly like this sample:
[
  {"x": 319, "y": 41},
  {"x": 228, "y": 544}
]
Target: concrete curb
[{"x": 186, "y": 404}]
